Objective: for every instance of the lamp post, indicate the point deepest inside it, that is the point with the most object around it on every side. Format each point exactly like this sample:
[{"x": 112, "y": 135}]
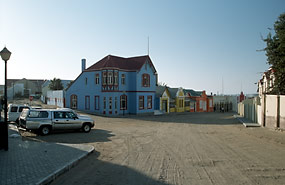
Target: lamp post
[{"x": 5, "y": 55}]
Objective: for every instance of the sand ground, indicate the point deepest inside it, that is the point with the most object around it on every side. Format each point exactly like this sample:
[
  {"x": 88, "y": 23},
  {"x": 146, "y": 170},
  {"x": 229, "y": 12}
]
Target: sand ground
[{"x": 188, "y": 148}]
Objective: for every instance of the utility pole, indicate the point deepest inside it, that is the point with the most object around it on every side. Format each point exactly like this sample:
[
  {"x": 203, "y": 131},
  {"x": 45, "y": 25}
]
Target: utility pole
[
  {"x": 222, "y": 85},
  {"x": 148, "y": 45}
]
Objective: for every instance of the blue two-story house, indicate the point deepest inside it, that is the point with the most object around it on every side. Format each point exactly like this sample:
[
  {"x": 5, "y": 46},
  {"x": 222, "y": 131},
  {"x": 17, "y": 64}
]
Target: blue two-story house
[{"x": 115, "y": 85}]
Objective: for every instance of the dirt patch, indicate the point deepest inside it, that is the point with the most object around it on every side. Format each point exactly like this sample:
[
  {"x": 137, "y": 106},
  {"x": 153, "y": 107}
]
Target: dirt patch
[{"x": 206, "y": 148}]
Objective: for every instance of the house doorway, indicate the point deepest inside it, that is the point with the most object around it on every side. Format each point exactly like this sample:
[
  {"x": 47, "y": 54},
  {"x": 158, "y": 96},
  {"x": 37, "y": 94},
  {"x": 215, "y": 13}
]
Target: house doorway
[{"x": 164, "y": 105}]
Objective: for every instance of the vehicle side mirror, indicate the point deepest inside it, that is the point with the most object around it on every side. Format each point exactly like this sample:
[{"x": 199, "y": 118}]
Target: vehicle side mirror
[{"x": 75, "y": 117}]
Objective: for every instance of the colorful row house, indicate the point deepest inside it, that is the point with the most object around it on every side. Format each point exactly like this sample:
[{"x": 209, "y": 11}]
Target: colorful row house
[
  {"x": 203, "y": 102},
  {"x": 115, "y": 86},
  {"x": 162, "y": 99},
  {"x": 182, "y": 100}
]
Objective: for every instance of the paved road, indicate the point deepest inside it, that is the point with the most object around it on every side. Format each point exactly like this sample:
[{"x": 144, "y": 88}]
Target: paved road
[
  {"x": 29, "y": 162},
  {"x": 193, "y": 148}
]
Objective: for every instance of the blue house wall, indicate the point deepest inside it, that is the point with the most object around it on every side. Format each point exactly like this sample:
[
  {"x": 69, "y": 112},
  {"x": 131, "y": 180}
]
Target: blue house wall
[
  {"x": 84, "y": 87},
  {"x": 145, "y": 91}
]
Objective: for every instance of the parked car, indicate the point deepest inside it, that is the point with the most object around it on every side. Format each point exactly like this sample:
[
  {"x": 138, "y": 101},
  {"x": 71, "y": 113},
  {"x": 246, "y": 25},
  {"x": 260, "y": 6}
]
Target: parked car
[
  {"x": 14, "y": 111},
  {"x": 46, "y": 120}
]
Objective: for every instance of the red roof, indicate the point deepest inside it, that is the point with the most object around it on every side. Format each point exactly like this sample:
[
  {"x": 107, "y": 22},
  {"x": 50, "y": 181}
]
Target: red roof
[{"x": 115, "y": 62}]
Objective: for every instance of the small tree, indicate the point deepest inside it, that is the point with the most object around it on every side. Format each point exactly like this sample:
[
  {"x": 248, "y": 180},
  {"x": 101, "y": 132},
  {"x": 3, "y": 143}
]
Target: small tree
[
  {"x": 69, "y": 84},
  {"x": 275, "y": 52},
  {"x": 162, "y": 84},
  {"x": 55, "y": 84}
]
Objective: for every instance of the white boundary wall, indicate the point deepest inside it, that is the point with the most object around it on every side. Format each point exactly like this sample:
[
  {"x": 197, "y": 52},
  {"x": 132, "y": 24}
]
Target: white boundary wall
[
  {"x": 259, "y": 114},
  {"x": 56, "y": 98},
  {"x": 282, "y": 112},
  {"x": 271, "y": 111}
]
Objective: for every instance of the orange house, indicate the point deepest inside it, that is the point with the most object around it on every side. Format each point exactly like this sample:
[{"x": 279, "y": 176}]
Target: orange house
[
  {"x": 210, "y": 104},
  {"x": 203, "y": 103}
]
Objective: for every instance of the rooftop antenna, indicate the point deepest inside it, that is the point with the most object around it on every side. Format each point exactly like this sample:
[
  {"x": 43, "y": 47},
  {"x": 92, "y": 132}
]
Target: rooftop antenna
[{"x": 148, "y": 45}]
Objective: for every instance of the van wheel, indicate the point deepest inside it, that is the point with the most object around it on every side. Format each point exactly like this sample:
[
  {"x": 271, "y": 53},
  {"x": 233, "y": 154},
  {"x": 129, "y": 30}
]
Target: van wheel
[
  {"x": 86, "y": 127},
  {"x": 45, "y": 130}
]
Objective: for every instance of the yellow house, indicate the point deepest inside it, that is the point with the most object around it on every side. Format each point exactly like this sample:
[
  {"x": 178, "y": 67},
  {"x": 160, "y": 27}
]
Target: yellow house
[
  {"x": 164, "y": 101},
  {"x": 177, "y": 100},
  {"x": 180, "y": 100}
]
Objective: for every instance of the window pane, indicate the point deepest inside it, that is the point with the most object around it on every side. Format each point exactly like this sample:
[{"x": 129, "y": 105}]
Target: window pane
[
  {"x": 110, "y": 103},
  {"x": 123, "y": 79},
  {"x": 34, "y": 114},
  {"x": 141, "y": 102},
  {"x": 21, "y": 108},
  {"x": 149, "y": 102},
  {"x": 14, "y": 109},
  {"x": 104, "y": 102},
  {"x": 70, "y": 115},
  {"x": 96, "y": 102},
  {"x": 43, "y": 114},
  {"x": 123, "y": 102}
]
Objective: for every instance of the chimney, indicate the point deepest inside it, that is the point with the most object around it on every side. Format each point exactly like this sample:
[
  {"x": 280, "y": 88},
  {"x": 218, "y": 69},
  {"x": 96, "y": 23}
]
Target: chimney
[{"x": 83, "y": 64}]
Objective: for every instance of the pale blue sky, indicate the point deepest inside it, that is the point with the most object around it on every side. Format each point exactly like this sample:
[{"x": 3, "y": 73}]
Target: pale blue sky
[{"x": 193, "y": 44}]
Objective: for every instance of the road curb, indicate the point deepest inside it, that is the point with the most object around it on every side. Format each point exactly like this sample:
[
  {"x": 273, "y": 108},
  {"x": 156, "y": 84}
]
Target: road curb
[
  {"x": 65, "y": 168},
  {"x": 246, "y": 124}
]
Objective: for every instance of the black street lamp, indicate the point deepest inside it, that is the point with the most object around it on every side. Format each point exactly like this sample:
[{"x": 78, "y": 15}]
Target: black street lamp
[{"x": 5, "y": 55}]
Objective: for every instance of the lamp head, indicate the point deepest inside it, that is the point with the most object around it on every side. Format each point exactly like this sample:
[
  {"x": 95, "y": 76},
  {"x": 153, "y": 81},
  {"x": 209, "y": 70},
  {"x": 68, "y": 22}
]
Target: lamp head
[{"x": 5, "y": 54}]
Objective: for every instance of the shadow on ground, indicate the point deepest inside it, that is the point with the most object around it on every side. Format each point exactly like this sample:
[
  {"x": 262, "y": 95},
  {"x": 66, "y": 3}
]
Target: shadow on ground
[
  {"x": 72, "y": 137},
  {"x": 97, "y": 172},
  {"x": 210, "y": 118}
]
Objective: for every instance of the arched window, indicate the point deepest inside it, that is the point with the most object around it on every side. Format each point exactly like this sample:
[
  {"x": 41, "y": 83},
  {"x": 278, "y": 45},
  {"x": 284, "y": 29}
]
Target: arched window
[
  {"x": 73, "y": 101},
  {"x": 145, "y": 80}
]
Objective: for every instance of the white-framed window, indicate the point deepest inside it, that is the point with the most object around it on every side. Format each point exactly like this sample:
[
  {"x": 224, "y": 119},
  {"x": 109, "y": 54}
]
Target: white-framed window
[
  {"x": 145, "y": 80},
  {"x": 141, "y": 102},
  {"x": 116, "y": 106},
  {"x": 110, "y": 78},
  {"x": 201, "y": 104},
  {"x": 104, "y": 78},
  {"x": 123, "y": 102},
  {"x": 96, "y": 99},
  {"x": 116, "y": 78},
  {"x": 87, "y": 102},
  {"x": 104, "y": 103},
  {"x": 73, "y": 101},
  {"x": 97, "y": 78},
  {"x": 149, "y": 102},
  {"x": 110, "y": 103},
  {"x": 123, "y": 79}
]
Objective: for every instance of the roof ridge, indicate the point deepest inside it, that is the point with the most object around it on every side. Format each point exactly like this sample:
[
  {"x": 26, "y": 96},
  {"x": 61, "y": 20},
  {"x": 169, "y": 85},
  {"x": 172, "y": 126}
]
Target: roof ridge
[{"x": 112, "y": 61}]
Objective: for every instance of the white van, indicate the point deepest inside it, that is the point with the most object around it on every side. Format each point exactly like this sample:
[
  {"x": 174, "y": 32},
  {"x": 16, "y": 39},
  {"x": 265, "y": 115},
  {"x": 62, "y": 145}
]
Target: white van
[{"x": 14, "y": 111}]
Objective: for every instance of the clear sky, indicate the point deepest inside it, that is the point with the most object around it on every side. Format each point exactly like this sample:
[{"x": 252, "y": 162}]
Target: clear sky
[{"x": 193, "y": 44}]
